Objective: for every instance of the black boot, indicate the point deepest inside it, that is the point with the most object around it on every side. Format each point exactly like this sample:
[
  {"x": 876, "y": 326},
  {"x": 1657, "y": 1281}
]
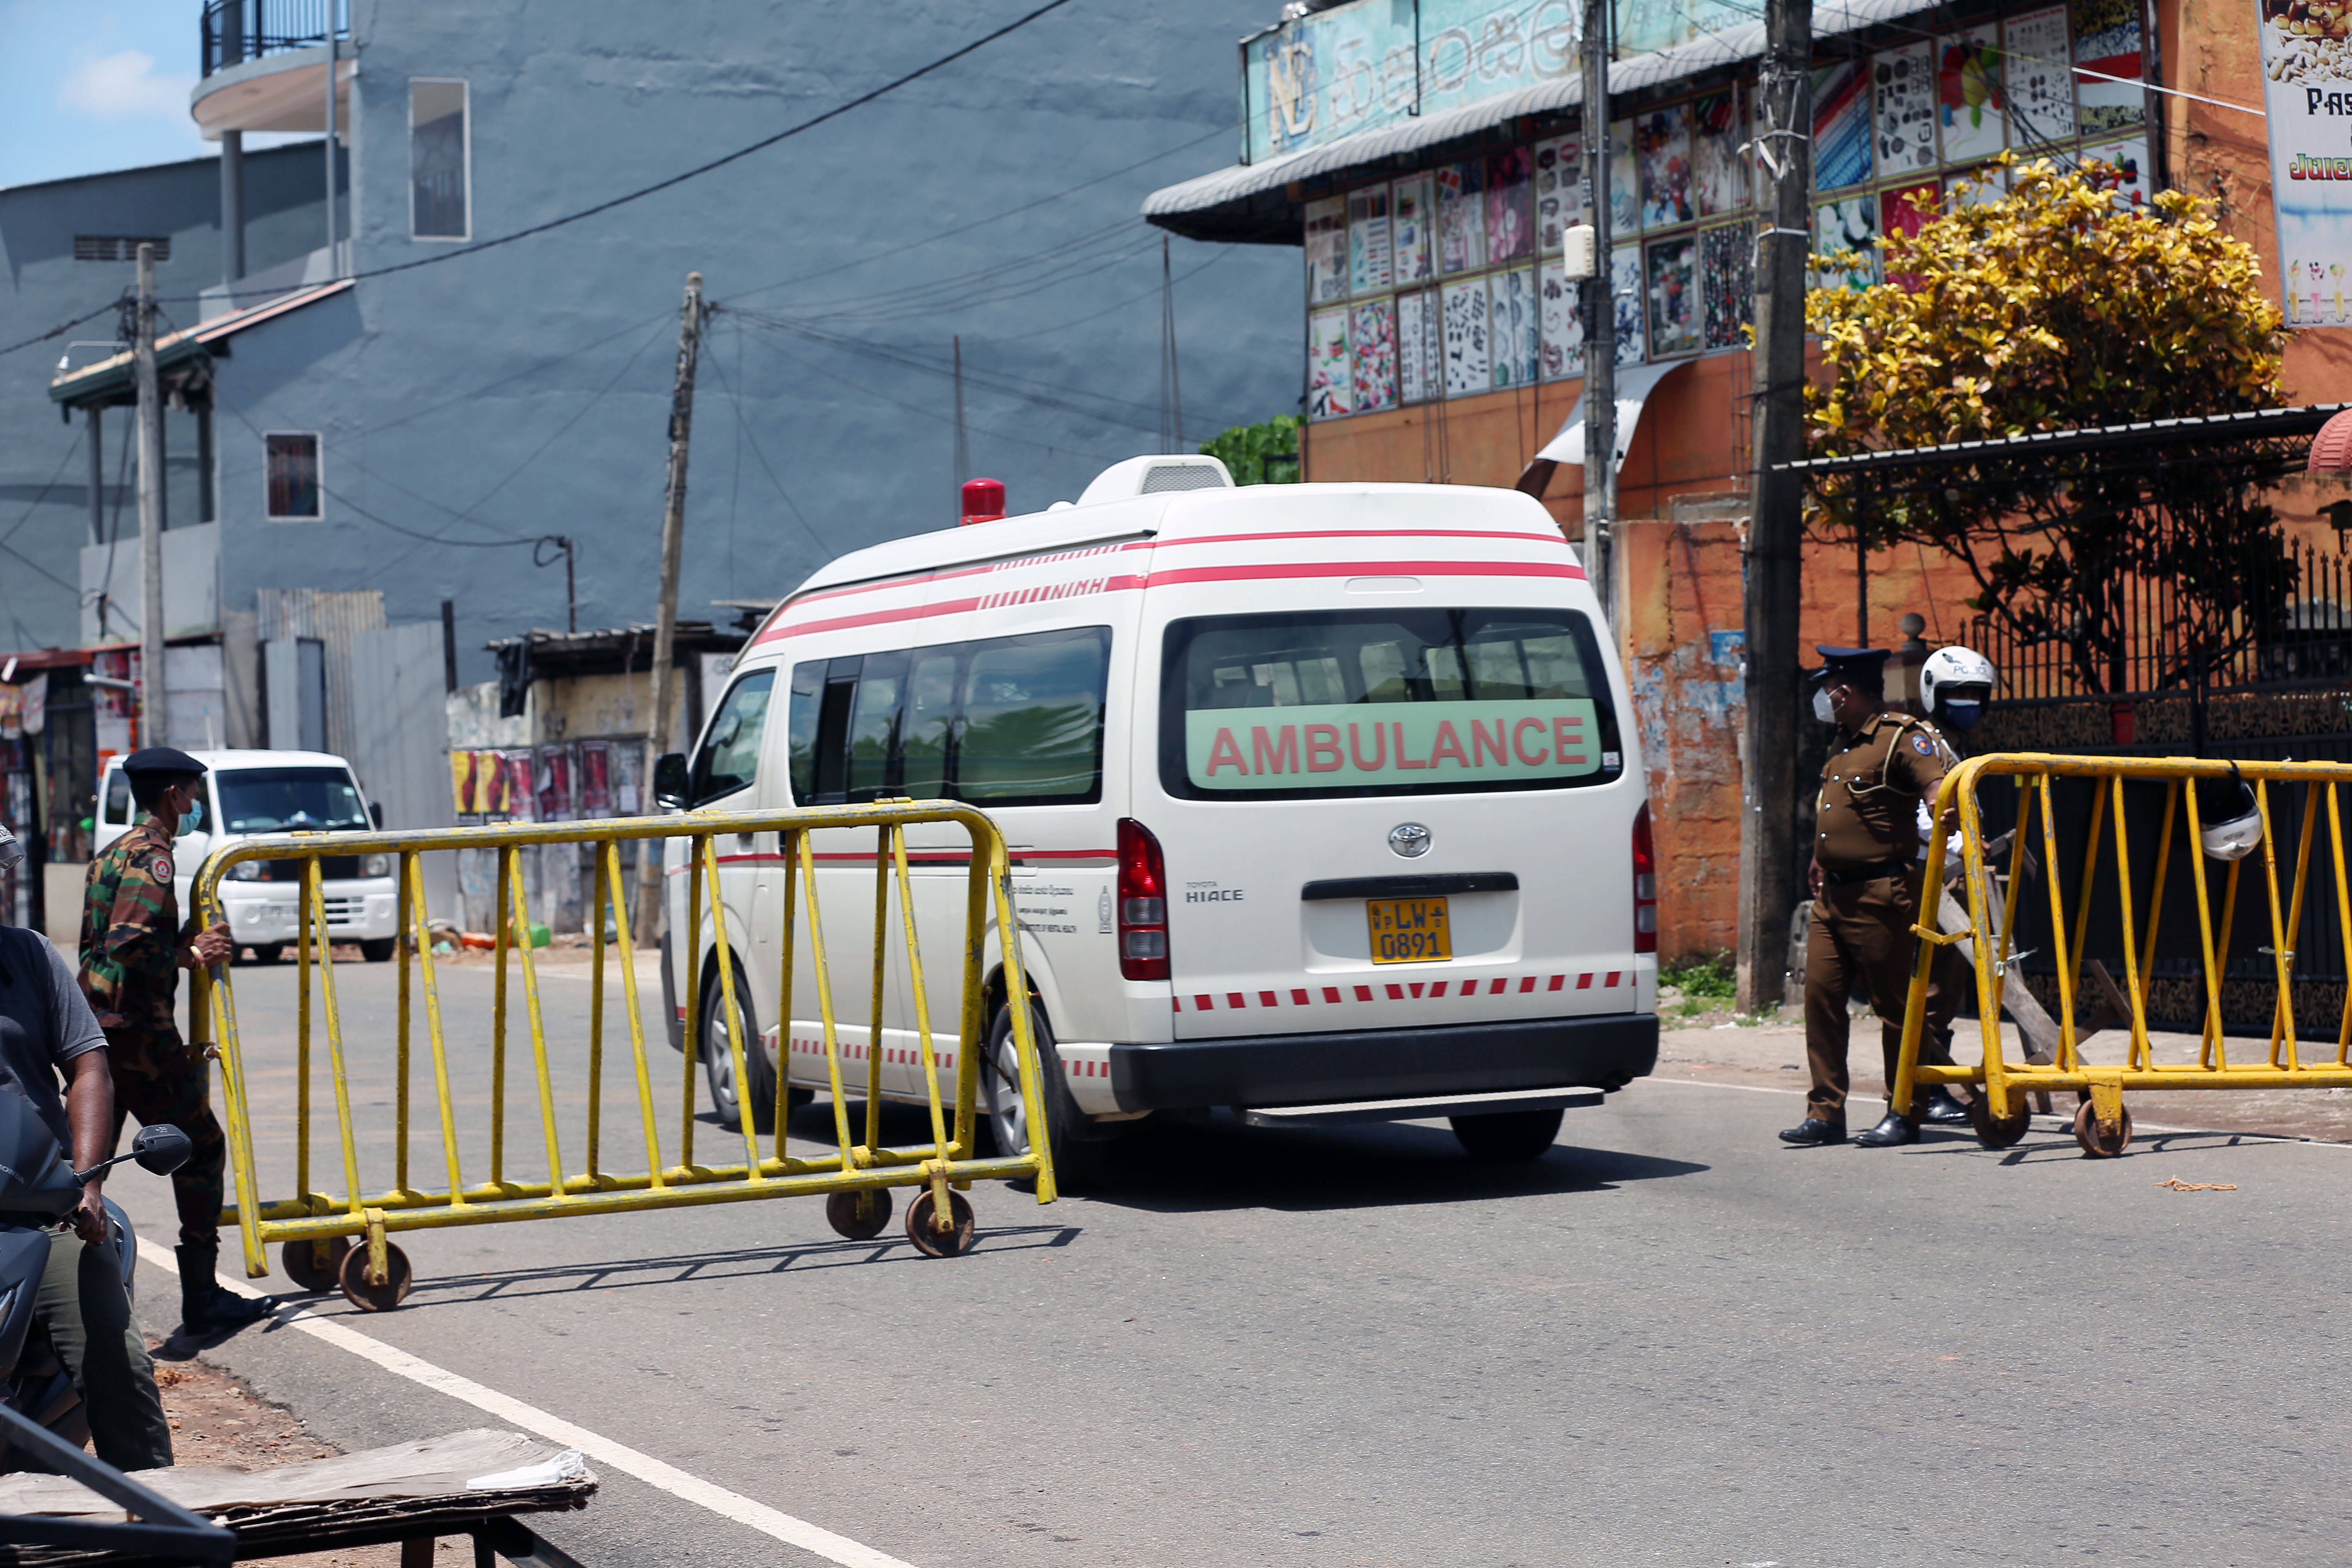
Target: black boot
[
  {"x": 1944, "y": 1108},
  {"x": 1891, "y": 1131},
  {"x": 1813, "y": 1131},
  {"x": 204, "y": 1306}
]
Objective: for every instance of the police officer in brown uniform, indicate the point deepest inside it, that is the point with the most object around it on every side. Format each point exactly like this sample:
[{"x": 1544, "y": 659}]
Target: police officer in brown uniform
[{"x": 1880, "y": 766}]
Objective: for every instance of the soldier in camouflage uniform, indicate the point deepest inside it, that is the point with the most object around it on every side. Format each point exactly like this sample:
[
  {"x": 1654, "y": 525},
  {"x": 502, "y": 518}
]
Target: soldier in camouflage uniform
[{"x": 133, "y": 946}]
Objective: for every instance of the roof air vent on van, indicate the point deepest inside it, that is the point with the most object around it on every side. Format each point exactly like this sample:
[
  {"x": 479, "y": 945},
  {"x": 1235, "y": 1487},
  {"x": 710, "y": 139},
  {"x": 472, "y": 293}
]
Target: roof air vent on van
[{"x": 1151, "y": 476}]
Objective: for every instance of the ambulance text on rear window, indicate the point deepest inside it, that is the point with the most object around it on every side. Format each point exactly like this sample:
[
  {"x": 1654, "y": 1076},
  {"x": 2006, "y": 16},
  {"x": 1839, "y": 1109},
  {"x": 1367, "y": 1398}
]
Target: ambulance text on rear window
[{"x": 1385, "y": 701}]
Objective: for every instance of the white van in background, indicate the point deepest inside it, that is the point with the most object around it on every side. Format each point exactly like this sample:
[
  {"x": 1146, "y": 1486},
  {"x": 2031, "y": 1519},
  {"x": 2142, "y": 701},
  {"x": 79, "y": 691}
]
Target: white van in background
[
  {"x": 1323, "y": 801},
  {"x": 248, "y": 793}
]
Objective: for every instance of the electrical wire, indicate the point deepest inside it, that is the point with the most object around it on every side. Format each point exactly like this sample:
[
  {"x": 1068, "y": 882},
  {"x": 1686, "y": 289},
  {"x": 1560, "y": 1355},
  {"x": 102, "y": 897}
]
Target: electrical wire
[
  {"x": 62, "y": 328},
  {"x": 744, "y": 437},
  {"x": 44, "y": 496}
]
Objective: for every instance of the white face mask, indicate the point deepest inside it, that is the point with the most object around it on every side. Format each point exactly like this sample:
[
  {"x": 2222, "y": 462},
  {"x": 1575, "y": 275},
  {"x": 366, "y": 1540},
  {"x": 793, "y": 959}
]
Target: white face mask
[{"x": 1821, "y": 709}]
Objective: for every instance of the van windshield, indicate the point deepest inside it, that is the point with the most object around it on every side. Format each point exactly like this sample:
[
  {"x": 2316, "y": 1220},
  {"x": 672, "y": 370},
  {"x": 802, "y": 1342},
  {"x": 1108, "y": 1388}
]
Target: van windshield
[
  {"x": 279, "y": 800},
  {"x": 1385, "y": 701}
]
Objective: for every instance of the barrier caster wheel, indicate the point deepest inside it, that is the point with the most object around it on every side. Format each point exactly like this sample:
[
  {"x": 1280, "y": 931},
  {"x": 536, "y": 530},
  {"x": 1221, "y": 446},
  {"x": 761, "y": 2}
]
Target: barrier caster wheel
[
  {"x": 2098, "y": 1147},
  {"x": 859, "y": 1216},
  {"x": 927, "y": 1237},
  {"x": 381, "y": 1298},
  {"x": 315, "y": 1265},
  {"x": 1997, "y": 1134}
]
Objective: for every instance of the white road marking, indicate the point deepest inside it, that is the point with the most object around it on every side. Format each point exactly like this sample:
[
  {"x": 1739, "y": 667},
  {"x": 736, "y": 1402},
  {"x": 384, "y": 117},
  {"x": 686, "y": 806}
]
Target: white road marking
[
  {"x": 2138, "y": 1125},
  {"x": 758, "y": 1516}
]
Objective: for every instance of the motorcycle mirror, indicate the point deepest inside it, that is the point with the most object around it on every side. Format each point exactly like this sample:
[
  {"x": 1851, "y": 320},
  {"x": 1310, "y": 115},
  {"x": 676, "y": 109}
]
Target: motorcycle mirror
[{"x": 161, "y": 1149}]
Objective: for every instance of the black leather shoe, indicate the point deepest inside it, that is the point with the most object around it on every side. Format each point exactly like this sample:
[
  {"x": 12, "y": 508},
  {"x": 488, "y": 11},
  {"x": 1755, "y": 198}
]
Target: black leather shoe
[
  {"x": 1893, "y": 1129},
  {"x": 1813, "y": 1130},
  {"x": 1944, "y": 1108}
]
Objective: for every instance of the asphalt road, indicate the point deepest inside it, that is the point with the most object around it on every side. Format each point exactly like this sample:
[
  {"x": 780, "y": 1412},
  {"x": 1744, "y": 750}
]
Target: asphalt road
[{"x": 1669, "y": 1341}]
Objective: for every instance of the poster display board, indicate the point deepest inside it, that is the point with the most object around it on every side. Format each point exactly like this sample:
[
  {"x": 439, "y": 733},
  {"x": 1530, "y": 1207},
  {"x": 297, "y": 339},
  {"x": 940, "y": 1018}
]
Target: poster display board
[{"x": 2307, "y": 90}]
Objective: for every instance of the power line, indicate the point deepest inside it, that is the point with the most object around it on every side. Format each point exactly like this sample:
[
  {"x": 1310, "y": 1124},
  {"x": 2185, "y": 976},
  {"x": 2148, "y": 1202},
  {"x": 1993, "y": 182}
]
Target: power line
[
  {"x": 745, "y": 439},
  {"x": 719, "y": 163},
  {"x": 63, "y": 326}
]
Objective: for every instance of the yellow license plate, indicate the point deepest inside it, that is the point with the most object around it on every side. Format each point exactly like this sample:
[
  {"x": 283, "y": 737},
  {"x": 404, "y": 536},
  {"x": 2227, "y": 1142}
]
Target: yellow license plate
[{"x": 1408, "y": 930}]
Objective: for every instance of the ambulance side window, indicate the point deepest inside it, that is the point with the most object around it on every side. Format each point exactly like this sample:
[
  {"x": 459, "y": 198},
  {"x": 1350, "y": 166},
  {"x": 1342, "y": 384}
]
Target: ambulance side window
[
  {"x": 927, "y": 731},
  {"x": 874, "y": 725},
  {"x": 801, "y": 722},
  {"x": 117, "y": 797}
]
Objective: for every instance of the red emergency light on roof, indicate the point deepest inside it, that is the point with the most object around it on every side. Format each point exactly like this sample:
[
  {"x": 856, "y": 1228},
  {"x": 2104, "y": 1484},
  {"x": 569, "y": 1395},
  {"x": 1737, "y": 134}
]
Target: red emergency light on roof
[{"x": 983, "y": 501}]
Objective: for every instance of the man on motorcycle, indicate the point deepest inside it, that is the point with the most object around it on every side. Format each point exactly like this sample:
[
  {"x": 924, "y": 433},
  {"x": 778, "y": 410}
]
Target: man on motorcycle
[{"x": 48, "y": 1032}]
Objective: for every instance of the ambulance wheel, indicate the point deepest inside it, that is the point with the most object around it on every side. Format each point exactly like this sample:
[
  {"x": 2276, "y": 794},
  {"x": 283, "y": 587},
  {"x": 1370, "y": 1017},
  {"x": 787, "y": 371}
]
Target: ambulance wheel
[
  {"x": 315, "y": 1265},
  {"x": 269, "y": 952},
  {"x": 719, "y": 1057},
  {"x": 1078, "y": 1159},
  {"x": 2096, "y": 1145},
  {"x": 858, "y": 1215},
  {"x": 923, "y": 1230},
  {"x": 378, "y": 949},
  {"x": 1501, "y": 1135},
  {"x": 2002, "y": 1133}
]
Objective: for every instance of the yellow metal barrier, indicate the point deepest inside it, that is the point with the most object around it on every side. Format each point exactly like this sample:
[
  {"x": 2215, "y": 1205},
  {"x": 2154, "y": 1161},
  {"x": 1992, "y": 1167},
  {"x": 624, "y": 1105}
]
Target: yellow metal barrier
[
  {"x": 2103, "y": 1123},
  {"x": 315, "y": 1226}
]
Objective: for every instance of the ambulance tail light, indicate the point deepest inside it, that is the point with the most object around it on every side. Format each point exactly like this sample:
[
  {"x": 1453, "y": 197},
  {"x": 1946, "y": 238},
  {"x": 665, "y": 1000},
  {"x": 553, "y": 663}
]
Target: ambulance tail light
[
  {"x": 1142, "y": 903},
  {"x": 1646, "y": 884}
]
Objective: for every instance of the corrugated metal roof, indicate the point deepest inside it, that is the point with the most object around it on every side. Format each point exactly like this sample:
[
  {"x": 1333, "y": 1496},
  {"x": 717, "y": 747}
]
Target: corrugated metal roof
[
  {"x": 2245, "y": 425},
  {"x": 1233, "y": 204},
  {"x": 110, "y": 376}
]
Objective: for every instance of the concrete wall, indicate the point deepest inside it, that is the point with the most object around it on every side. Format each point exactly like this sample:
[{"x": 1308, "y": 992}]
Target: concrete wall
[{"x": 525, "y": 390}]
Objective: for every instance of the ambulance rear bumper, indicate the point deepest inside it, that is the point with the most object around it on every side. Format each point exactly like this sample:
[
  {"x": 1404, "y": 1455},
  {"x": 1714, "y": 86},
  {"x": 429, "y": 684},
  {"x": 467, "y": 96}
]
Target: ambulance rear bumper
[{"x": 1604, "y": 1052}]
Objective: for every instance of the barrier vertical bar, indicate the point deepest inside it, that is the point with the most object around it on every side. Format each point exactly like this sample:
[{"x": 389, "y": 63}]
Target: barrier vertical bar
[
  {"x": 2082, "y": 889},
  {"x": 915, "y": 980},
  {"x": 1987, "y": 980},
  {"x": 238, "y": 1109},
  {"x": 317, "y": 889},
  {"x": 874, "y": 1028},
  {"x": 2139, "y": 1050},
  {"x": 787, "y": 852},
  {"x": 1923, "y": 958},
  {"x": 1016, "y": 996},
  {"x": 2016, "y": 876},
  {"x": 302, "y": 1030},
  {"x": 616, "y": 889},
  {"x": 596, "y": 1017},
  {"x": 2344, "y": 922},
  {"x": 691, "y": 1048},
  {"x": 2066, "y": 1044},
  {"x": 825, "y": 1000},
  {"x": 502, "y": 934},
  {"x": 736, "y": 1060},
  {"x": 435, "y": 1038},
  {"x": 2294, "y": 916},
  {"x": 521, "y": 913},
  {"x": 2211, "y": 971},
  {"x": 405, "y": 861},
  {"x": 974, "y": 1029}
]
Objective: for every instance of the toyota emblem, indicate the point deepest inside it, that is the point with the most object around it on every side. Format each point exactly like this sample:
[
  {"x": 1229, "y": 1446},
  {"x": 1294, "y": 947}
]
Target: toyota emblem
[{"x": 1410, "y": 839}]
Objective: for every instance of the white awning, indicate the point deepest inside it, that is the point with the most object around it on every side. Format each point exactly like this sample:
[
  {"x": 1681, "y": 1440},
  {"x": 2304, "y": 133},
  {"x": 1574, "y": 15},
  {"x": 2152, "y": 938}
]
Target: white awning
[{"x": 1635, "y": 384}]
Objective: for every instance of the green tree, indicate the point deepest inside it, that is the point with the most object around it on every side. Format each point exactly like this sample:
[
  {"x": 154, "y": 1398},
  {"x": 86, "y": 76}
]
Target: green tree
[
  {"x": 2061, "y": 307},
  {"x": 1264, "y": 454}
]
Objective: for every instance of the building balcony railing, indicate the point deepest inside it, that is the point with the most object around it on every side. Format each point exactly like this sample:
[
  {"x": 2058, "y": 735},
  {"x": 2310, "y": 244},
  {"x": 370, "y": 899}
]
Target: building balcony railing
[{"x": 239, "y": 30}]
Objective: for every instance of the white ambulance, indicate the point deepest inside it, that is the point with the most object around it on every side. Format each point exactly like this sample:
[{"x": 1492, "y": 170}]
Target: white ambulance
[
  {"x": 249, "y": 793},
  {"x": 1323, "y": 800}
]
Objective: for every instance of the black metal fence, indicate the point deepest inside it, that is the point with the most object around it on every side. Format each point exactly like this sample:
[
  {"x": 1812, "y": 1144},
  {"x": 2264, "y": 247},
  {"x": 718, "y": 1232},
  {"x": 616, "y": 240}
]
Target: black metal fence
[{"x": 237, "y": 30}]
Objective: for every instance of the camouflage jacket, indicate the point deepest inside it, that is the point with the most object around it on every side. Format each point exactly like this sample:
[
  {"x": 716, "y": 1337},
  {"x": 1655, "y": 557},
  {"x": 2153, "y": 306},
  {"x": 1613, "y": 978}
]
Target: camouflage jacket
[{"x": 130, "y": 933}]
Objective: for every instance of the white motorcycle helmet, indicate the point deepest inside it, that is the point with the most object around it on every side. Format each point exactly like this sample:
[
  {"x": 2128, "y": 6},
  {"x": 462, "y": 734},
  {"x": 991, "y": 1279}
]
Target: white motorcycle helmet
[
  {"x": 2231, "y": 818},
  {"x": 1954, "y": 684}
]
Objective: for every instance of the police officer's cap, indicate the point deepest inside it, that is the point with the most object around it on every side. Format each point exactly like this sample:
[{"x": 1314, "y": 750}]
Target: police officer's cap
[
  {"x": 161, "y": 759},
  {"x": 1867, "y": 665}
]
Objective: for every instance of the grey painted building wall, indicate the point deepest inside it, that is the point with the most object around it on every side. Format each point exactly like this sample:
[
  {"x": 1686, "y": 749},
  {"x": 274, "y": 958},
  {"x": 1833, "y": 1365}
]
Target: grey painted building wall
[{"x": 524, "y": 390}]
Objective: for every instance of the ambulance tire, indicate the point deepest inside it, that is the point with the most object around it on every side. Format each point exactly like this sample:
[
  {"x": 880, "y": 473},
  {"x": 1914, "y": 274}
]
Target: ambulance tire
[
  {"x": 719, "y": 1057},
  {"x": 269, "y": 952},
  {"x": 1078, "y": 1158},
  {"x": 1502, "y": 1135},
  {"x": 378, "y": 949}
]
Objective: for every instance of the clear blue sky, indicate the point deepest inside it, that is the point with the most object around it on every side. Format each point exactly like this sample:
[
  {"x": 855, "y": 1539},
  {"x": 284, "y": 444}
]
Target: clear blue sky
[{"x": 87, "y": 85}]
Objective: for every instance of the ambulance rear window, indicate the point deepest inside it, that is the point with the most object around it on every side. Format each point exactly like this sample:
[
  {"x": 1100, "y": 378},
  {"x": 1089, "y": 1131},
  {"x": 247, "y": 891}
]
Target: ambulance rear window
[{"x": 1384, "y": 702}]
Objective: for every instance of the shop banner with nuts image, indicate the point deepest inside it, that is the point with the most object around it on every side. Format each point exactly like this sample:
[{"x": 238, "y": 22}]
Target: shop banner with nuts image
[{"x": 2307, "y": 91}]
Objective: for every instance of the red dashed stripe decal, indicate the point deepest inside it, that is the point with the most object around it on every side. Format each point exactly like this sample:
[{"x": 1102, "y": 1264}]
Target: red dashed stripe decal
[
  {"x": 857, "y": 1051},
  {"x": 1394, "y": 991}
]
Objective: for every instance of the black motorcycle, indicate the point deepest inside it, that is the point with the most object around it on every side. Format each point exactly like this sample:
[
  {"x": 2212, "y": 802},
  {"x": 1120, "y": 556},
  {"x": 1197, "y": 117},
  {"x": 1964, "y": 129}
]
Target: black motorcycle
[{"x": 40, "y": 1188}]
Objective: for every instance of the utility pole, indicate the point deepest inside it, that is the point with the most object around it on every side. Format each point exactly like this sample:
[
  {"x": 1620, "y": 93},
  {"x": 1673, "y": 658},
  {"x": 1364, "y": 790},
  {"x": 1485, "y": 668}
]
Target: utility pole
[
  {"x": 681, "y": 427},
  {"x": 1600, "y": 340},
  {"x": 1171, "y": 385},
  {"x": 1784, "y": 151},
  {"x": 151, "y": 510}
]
